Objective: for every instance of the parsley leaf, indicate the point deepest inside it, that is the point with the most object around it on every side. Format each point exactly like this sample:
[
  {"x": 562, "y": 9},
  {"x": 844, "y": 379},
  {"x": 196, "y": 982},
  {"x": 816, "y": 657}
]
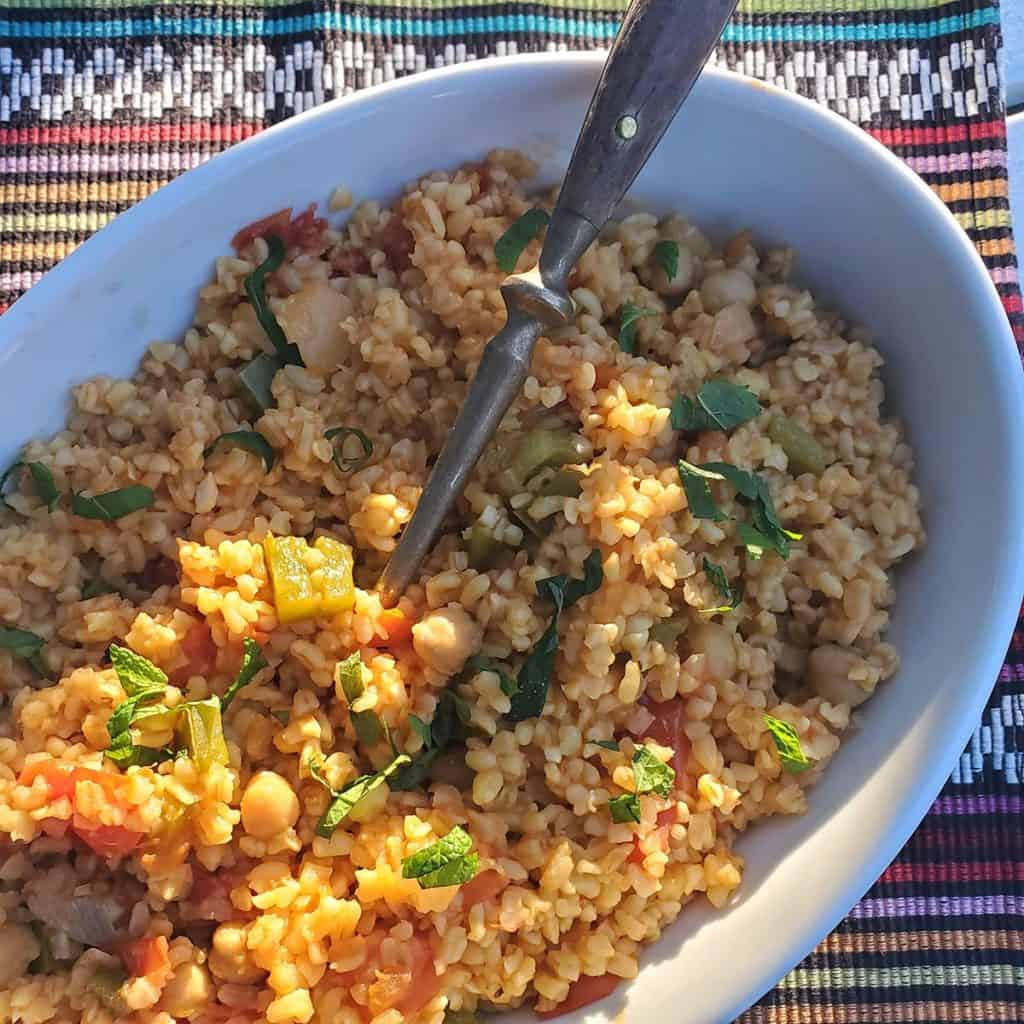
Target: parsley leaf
[
  {"x": 25, "y": 645},
  {"x": 534, "y": 676},
  {"x": 346, "y": 798},
  {"x": 250, "y": 440},
  {"x": 446, "y": 727},
  {"x": 624, "y": 808},
  {"x": 446, "y": 862},
  {"x": 134, "y": 672},
  {"x": 348, "y": 463},
  {"x": 607, "y": 744},
  {"x": 732, "y": 595},
  {"x": 256, "y": 378},
  {"x": 719, "y": 405},
  {"x": 367, "y": 724},
  {"x": 628, "y": 317},
  {"x": 666, "y": 255},
  {"x": 698, "y": 492},
  {"x": 120, "y": 721},
  {"x": 252, "y": 662},
  {"x": 113, "y": 504},
  {"x": 787, "y": 742},
  {"x": 256, "y": 290},
  {"x": 520, "y": 233},
  {"x": 42, "y": 478},
  {"x": 650, "y": 774}
]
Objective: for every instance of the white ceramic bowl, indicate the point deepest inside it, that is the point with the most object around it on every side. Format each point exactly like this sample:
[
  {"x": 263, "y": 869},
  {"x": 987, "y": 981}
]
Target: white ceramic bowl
[{"x": 871, "y": 238}]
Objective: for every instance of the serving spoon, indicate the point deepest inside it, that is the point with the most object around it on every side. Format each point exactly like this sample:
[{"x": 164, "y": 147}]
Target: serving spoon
[{"x": 657, "y": 55}]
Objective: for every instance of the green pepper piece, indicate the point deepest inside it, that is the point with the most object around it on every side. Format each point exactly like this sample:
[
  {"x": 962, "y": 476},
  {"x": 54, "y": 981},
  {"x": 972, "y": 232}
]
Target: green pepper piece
[
  {"x": 537, "y": 449},
  {"x": 105, "y": 984},
  {"x": 805, "y": 454},
  {"x": 201, "y": 732},
  {"x": 564, "y": 484},
  {"x": 483, "y": 548}
]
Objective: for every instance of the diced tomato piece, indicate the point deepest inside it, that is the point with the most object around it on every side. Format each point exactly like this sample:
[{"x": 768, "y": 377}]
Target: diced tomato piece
[
  {"x": 396, "y": 624},
  {"x": 199, "y": 650},
  {"x": 61, "y": 779},
  {"x": 107, "y": 840},
  {"x": 273, "y": 224},
  {"x": 666, "y": 819},
  {"x": 582, "y": 992},
  {"x": 425, "y": 983},
  {"x": 407, "y": 989},
  {"x": 604, "y": 375},
  {"x": 667, "y": 730},
  {"x": 485, "y": 886},
  {"x": 397, "y": 242},
  {"x": 147, "y": 958},
  {"x": 305, "y": 231}
]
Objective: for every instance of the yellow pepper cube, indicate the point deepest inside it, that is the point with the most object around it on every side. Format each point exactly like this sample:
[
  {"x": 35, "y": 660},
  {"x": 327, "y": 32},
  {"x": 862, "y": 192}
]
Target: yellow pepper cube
[
  {"x": 332, "y": 579},
  {"x": 294, "y": 596}
]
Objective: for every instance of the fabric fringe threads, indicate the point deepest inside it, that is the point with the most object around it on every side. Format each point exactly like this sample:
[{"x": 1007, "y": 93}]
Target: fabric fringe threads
[{"x": 101, "y": 104}]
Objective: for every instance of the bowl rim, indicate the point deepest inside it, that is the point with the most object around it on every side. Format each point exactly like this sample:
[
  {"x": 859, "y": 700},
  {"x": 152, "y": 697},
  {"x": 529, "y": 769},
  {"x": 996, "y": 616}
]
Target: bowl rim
[{"x": 809, "y": 116}]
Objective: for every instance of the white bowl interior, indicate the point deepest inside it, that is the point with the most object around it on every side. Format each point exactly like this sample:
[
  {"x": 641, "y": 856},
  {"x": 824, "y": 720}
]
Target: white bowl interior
[{"x": 870, "y": 238}]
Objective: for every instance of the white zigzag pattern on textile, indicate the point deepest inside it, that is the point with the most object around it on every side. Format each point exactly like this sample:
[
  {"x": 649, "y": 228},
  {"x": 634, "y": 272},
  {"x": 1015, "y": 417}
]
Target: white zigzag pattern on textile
[
  {"x": 250, "y": 80},
  {"x": 995, "y": 745}
]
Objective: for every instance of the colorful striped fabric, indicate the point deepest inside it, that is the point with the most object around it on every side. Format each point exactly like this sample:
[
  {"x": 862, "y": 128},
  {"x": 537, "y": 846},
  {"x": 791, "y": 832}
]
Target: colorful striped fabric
[{"x": 101, "y": 102}]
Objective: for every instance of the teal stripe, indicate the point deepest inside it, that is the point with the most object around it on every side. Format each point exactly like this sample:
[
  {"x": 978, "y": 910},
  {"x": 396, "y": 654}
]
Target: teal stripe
[{"x": 501, "y": 24}]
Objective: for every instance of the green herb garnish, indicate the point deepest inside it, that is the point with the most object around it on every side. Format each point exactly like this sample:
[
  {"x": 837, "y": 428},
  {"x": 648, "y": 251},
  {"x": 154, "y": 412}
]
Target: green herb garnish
[
  {"x": 346, "y": 798},
  {"x": 255, "y": 289},
  {"x": 787, "y": 743},
  {"x": 252, "y": 662},
  {"x": 113, "y": 504},
  {"x": 534, "y": 676},
  {"x": 628, "y": 317},
  {"x": 764, "y": 531},
  {"x": 251, "y": 440},
  {"x": 510, "y": 246},
  {"x": 349, "y": 463},
  {"x": 142, "y": 681},
  {"x": 256, "y": 378},
  {"x": 719, "y": 405},
  {"x": 42, "y": 478},
  {"x": 368, "y": 726},
  {"x": 666, "y": 255},
  {"x": 649, "y": 776},
  {"x": 698, "y": 492},
  {"x": 652, "y": 775},
  {"x": 731, "y": 594},
  {"x": 624, "y": 808},
  {"x": 445, "y": 728},
  {"x": 446, "y": 862},
  {"x": 134, "y": 672},
  {"x": 607, "y": 744},
  {"x": 25, "y": 645}
]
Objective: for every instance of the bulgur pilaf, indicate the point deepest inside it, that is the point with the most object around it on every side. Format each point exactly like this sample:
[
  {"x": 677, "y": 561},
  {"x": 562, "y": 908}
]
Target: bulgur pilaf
[{"x": 233, "y": 788}]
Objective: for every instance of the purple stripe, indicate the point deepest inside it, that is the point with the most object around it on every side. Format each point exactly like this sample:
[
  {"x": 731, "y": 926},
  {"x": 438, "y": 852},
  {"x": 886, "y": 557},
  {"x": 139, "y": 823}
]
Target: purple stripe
[
  {"x": 939, "y": 906},
  {"x": 1012, "y": 673},
  {"x": 969, "y": 803},
  {"x": 19, "y": 280},
  {"x": 1004, "y": 275},
  {"x": 935, "y": 163}
]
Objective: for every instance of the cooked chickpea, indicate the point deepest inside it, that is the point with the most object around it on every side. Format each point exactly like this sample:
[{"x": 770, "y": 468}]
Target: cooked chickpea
[
  {"x": 445, "y": 638},
  {"x": 829, "y": 671},
  {"x": 652, "y": 273},
  {"x": 726, "y": 287},
  {"x": 715, "y": 642},
  {"x": 228, "y": 958},
  {"x": 188, "y": 991},
  {"x": 269, "y": 806}
]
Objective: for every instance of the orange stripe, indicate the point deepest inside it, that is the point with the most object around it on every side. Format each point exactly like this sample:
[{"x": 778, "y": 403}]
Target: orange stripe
[
  {"x": 63, "y": 193},
  {"x": 883, "y": 942},
  {"x": 995, "y": 246},
  {"x": 987, "y": 188},
  {"x": 24, "y": 252}
]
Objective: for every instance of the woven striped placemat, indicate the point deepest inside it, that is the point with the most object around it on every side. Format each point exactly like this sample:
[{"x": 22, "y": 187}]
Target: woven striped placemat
[{"x": 102, "y": 102}]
